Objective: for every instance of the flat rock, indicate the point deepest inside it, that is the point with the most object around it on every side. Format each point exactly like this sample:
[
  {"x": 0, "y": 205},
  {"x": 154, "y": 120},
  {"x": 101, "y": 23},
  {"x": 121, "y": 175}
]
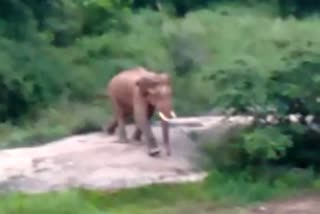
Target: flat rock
[{"x": 100, "y": 161}]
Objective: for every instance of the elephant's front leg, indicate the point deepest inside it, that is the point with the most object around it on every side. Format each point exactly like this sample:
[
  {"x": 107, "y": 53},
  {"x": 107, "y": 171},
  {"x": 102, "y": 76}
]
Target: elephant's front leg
[
  {"x": 143, "y": 123},
  {"x": 137, "y": 133}
]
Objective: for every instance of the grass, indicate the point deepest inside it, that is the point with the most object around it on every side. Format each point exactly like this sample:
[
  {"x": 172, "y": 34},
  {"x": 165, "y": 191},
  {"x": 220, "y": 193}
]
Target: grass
[
  {"x": 214, "y": 195},
  {"x": 58, "y": 121}
]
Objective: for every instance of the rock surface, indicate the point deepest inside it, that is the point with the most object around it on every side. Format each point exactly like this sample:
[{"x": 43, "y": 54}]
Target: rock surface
[{"x": 99, "y": 161}]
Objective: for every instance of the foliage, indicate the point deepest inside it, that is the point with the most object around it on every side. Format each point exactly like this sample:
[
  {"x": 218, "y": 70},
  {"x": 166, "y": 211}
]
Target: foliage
[
  {"x": 269, "y": 66},
  {"x": 255, "y": 56},
  {"x": 266, "y": 144},
  {"x": 218, "y": 190},
  {"x": 61, "y": 120}
]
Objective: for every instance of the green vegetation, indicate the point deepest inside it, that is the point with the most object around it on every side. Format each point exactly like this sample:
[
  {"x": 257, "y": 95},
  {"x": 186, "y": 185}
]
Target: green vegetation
[
  {"x": 64, "y": 119},
  {"x": 258, "y": 57},
  {"x": 216, "y": 193},
  {"x": 220, "y": 54}
]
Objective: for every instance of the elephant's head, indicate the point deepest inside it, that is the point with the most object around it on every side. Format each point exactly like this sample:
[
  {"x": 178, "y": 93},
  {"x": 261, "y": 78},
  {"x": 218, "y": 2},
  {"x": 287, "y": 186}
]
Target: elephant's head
[{"x": 157, "y": 91}]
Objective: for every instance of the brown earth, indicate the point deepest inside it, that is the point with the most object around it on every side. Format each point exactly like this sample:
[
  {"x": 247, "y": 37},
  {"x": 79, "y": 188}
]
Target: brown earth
[{"x": 307, "y": 204}]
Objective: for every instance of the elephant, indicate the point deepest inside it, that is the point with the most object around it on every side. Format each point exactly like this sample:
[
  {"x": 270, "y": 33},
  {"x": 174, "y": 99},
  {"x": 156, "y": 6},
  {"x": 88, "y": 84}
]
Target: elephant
[{"x": 137, "y": 93}]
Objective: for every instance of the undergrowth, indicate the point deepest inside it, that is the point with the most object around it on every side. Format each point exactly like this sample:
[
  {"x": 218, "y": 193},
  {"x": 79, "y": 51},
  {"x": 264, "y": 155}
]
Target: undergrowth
[
  {"x": 220, "y": 189},
  {"x": 61, "y": 120}
]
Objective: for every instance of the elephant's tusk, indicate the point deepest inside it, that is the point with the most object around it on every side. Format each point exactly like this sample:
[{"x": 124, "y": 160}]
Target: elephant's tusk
[
  {"x": 161, "y": 115},
  {"x": 173, "y": 114}
]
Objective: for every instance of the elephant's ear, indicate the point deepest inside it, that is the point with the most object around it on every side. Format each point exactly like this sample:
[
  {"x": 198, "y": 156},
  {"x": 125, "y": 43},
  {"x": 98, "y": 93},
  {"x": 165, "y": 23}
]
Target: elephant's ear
[{"x": 146, "y": 84}]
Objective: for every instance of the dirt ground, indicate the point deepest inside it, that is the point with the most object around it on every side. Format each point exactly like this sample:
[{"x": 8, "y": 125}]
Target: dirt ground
[
  {"x": 298, "y": 205},
  {"x": 308, "y": 204}
]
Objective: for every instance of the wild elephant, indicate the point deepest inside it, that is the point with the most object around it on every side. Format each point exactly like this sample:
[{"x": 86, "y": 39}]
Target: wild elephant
[{"x": 137, "y": 93}]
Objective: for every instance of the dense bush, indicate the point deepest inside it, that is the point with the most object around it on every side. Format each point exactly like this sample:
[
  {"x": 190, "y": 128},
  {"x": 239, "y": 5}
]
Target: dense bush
[
  {"x": 240, "y": 54},
  {"x": 268, "y": 66},
  {"x": 33, "y": 75}
]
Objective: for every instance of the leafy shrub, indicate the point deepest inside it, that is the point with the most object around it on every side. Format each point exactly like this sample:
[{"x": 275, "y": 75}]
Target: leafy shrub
[
  {"x": 224, "y": 57},
  {"x": 268, "y": 65},
  {"x": 61, "y": 120},
  {"x": 31, "y": 78}
]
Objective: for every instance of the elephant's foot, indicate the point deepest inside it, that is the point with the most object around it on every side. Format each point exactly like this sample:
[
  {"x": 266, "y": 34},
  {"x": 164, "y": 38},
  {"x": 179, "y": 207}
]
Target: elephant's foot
[
  {"x": 153, "y": 148},
  {"x": 106, "y": 130},
  {"x": 167, "y": 149},
  {"x": 137, "y": 135},
  {"x": 154, "y": 152},
  {"x": 110, "y": 129},
  {"x": 110, "y": 132},
  {"x": 123, "y": 140}
]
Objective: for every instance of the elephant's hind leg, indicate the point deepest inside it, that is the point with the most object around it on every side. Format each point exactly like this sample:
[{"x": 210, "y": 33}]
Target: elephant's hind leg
[
  {"x": 111, "y": 127},
  {"x": 121, "y": 120}
]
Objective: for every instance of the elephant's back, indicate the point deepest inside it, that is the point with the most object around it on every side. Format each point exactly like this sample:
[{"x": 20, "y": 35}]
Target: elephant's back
[
  {"x": 127, "y": 78},
  {"x": 121, "y": 79},
  {"x": 122, "y": 86}
]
